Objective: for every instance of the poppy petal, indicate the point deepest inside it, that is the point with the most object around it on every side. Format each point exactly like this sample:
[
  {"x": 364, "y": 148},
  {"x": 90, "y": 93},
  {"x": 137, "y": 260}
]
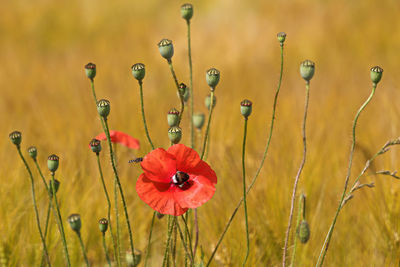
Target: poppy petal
[
  {"x": 158, "y": 196},
  {"x": 121, "y": 138},
  {"x": 159, "y": 166},
  {"x": 203, "y": 169},
  {"x": 186, "y": 158},
  {"x": 200, "y": 191}
]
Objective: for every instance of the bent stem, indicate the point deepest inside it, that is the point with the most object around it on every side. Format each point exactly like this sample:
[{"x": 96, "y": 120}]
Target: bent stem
[
  {"x": 259, "y": 168},
  {"x": 177, "y": 87},
  {"x": 105, "y": 249},
  {"x": 325, "y": 246},
  {"x": 296, "y": 181},
  {"x": 35, "y": 206},
  {"x": 189, "y": 254},
  {"x": 143, "y": 116},
  {"x": 83, "y": 248},
  {"x": 244, "y": 192},
  {"x": 300, "y": 214},
  {"x": 190, "y": 84}
]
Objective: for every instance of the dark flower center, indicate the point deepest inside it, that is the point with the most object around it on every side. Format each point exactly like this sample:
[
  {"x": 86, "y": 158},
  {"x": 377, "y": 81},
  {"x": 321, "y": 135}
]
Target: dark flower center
[{"x": 180, "y": 178}]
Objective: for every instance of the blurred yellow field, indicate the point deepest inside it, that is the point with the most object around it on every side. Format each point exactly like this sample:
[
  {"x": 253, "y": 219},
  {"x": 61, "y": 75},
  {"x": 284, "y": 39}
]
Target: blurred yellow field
[{"x": 46, "y": 95}]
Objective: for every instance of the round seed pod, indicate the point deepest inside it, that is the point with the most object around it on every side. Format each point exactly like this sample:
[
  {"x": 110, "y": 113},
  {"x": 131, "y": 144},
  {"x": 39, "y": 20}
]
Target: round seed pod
[
  {"x": 207, "y": 101},
  {"x": 307, "y": 68},
  {"x": 303, "y": 232},
  {"x": 90, "y": 70},
  {"x": 246, "y": 108},
  {"x": 103, "y": 225},
  {"x": 198, "y": 120},
  {"x": 173, "y": 117},
  {"x": 175, "y": 134},
  {"x": 187, "y": 11},
  {"x": 138, "y": 71},
  {"x": 212, "y": 77},
  {"x": 16, "y": 137},
  {"x": 376, "y": 74},
  {"x": 95, "y": 145},
  {"x": 74, "y": 221},
  {"x": 129, "y": 258},
  {"x": 52, "y": 162},
  {"x": 32, "y": 151},
  {"x": 281, "y": 37},
  {"x": 166, "y": 48},
  {"x": 103, "y": 107}
]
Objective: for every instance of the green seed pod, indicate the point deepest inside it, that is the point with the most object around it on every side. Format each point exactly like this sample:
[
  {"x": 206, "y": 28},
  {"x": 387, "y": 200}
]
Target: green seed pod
[
  {"x": 198, "y": 120},
  {"x": 173, "y": 117},
  {"x": 187, "y": 11},
  {"x": 90, "y": 70},
  {"x": 52, "y": 162},
  {"x": 281, "y": 37},
  {"x": 129, "y": 258},
  {"x": 184, "y": 92},
  {"x": 207, "y": 101},
  {"x": 103, "y": 107},
  {"x": 246, "y": 108},
  {"x": 303, "y": 231},
  {"x": 166, "y": 48},
  {"x": 56, "y": 186},
  {"x": 159, "y": 215},
  {"x": 16, "y": 138},
  {"x": 95, "y": 145},
  {"x": 175, "y": 134},
  {"x": 307, "y": 69},
  {"x": 32, "y": 151},
  {"x": 376, "y": 74},
  {"x": 74, "y": 221},
  {"x": 103, "y": 225},
  {"x": 138, "y": 71},
  {"x": 212, "y": 77}
]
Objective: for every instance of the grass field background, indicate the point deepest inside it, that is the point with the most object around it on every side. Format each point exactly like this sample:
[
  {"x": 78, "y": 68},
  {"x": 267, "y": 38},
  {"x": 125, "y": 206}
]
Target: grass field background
[{"x": 45, "y": 94}]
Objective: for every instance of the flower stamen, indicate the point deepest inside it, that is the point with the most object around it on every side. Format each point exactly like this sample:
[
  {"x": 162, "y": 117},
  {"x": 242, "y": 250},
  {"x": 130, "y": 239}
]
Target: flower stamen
[{"x": 180, "y": 178}]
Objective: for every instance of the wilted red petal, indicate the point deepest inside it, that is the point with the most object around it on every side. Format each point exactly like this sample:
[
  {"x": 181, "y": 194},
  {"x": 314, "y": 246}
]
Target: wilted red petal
[
  {"x": 121, "y": 138},
  {"x": 159, "y": 165},
  {"x": 158, "y": 196},
  {"x": 200, "y": 191},
  {"x": 203, "y": 169},
  {"x": 186, "y": 158}
]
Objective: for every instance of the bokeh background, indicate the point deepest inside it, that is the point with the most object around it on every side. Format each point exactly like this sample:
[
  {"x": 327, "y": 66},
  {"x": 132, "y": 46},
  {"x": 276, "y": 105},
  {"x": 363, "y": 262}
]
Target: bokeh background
[{"x": 46, "y": 95}]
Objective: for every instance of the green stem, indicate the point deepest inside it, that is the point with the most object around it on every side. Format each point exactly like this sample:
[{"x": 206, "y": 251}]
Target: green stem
[
  {"x": 190, "y": 239},
  {"x": 60, "y": 222},
  {"x": 173, "y": 249},
  {"x": 83, "y": 248},
  {"x": 171, "y": 223},
  {"x": 325, "y": 246},
  {"x": 259, "y": 168},
  {"x": 296, "y": 180},
  {"x": 143, "y": 116},
  {"x": 117, "y": 221},
  {"x": 190, "y": 255},
  {"x": 93, "y": 91},
  {"x": 149, "y": 239},
  {"x": 300, "y": 214},
  {"x": 121, "y": 192},
  {"x": 108, "y": 210},
  {"x": 106, "y": 250},
  {"x": 190, "y": 84},
  {"x": 208, "y": 123},
  {"x": 177, "y": 87},
  {"x": 35, "y": 206},
  {"x": 244, "y": 193}
]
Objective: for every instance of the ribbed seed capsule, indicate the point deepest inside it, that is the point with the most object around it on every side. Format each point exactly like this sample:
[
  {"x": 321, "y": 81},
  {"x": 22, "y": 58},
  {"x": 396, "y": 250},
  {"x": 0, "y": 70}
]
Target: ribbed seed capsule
[
  {"x": 376, "y": 74},
  {"x": 16, "y": 138},
  {"x": 90, "y": 70},
  {"x": 207, "y": 101},
  {"x": 103, "y": 225},
  {"x": 187, "y": 11},
  {"x": 138, "y": 71},
  {"x": 103, "y": 107},
  {"x": 166, "y": 48},
  {"x": 175, "y": 134},
  {"x": 198, "y": 120},
  {"x": 32, "y": 151},
  {"x": 246, "y": 108},
  {"x": 281, "y": 37},
  {"x": 212, "y": 77},
  {"x": 173, "y": 117},
  {"x": 74, "y": 221},
  {"x": 303, "y": 231},
  {"x": 52, "y": 162},
  {"x": 95, "y": 145},
  {"x": 307, "y": 69}
]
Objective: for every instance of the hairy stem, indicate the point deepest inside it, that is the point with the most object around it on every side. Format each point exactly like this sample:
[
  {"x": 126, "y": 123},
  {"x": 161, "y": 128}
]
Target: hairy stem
[
  {"x": 105, "y": 249},
  {"x": 177, "y": 87},
  {"x": 244, "y": 193},
  {"x": 190, "y": 84},
  {"x": 300, "y": 215},
  {"x": 149, "y": 239},
  {"x": 83, "y": 248},
  {"x": 171, "y": 223},
  {"x": 143, "y": 116}
]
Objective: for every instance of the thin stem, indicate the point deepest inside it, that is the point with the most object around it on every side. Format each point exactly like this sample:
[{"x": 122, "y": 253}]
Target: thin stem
[
  {"x": 196, "y": 226},
  {"x": 190, "y": 84},
  {"x": 83, "y": 248},
  {"x": 244, "y": 193},
  {"x": 171, "y": 223},
  {"x": 60, "y": 221},
  {"x": 35, "y": 206},
  {"x": 184, "y": 243},
  {"x": 300, "y": 214},
  {"x": 177, "y": 87},
  {"x": 149, "y": 239},
  {"x": 107, "y": 132},
  {"x": 93, "y": 91},
  {"x": 108, "y": 210},
  {"x": 259, "y": 168},
  {"x": 208, "y": 123},
  {"x": 296, "y": 180},
  {"x": 325, "y": 246},
  {"x": 143, "y": 116},
  {"x": 189, "y": 237},
  {"x": 105, "y": 249},
  {"x": 173, "y": 249},
  {"x": 116, "y": 211}
]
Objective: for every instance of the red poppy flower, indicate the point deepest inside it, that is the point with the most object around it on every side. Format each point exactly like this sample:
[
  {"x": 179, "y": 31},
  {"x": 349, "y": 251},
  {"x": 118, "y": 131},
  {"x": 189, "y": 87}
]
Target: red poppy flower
[
  {"x": 175, "y": 180},
  {"x": 121, "y": 138}
]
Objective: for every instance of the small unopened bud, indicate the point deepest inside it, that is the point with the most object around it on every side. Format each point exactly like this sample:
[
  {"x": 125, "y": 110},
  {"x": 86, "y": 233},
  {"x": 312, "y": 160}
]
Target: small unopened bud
[
  {"x": 103, "y": 225},
  {"x": 138, "y": 71},
  {"x": 212, "y": 77},
  {"x": 198, "y": 120},
  {"x": 52, "y": 162},
  {"x": 246, "y": 108},
  {"x": 175, "y": 134},
  {"x": 303, "y": 231},
  {"x": 281, "y": 37},
  {"x": 103, "y": 107},
  {"x": 166, "y": 48},
  {"x": 16, "y": 138},
  {"x": 32, "y": 151},
  {"x": 74, "y": 221},
  {"x": 376, "y": 74},
  {"x": 187, "y": 11},
  {"x": 173, "y": 117},
  {"x": 159, "y": 215},
  {"x": 184, "y": 92},
  {"x": 55, "y": 185},
  {"x": 129, "y": 258},
  {"x": 307, "y": 69},
  {"x": 207, "y": 101},
  {"x": 90, "y": 70},
  {"x": 95, "y": 145}
]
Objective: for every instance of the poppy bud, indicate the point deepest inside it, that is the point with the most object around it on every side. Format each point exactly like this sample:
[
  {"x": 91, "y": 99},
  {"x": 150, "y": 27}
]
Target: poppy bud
[
  {"x": 138, "y": 71},
  {"x": 166, "y": 48},
  {"x": 32, "y": 151},
  {"x": 95, "y": 145},
  {"x": 246, "y": 108},
  {"x": 207, "y": 101},
  {"x": 281, "y": 37},
  {"x": 198, "y": 120},
  {"x": 129, "y": 258},
  {"x": 183, "y": 91},
  {"x": 103, "y": 107},
  {"x": 103, "y": 225},
  {"x": 173, "y": 117},
  {"x": 56, "y": 185},
  {"x": 74, "y": 221},
  {"x": 159, "y": 215},
  {"x": 90, "y": 70},
  {"x": 303, "y": 231},
  {"x": 376, "y": 74},
  {"x": 307, "y": 69},
  {"x": 52, "y": 162},
  {"x": 175, "y": 134},
  {"x": 187, "y": 11},
  {"x": 16, "y": 138},
  {"x": 212, "y": 77}
]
